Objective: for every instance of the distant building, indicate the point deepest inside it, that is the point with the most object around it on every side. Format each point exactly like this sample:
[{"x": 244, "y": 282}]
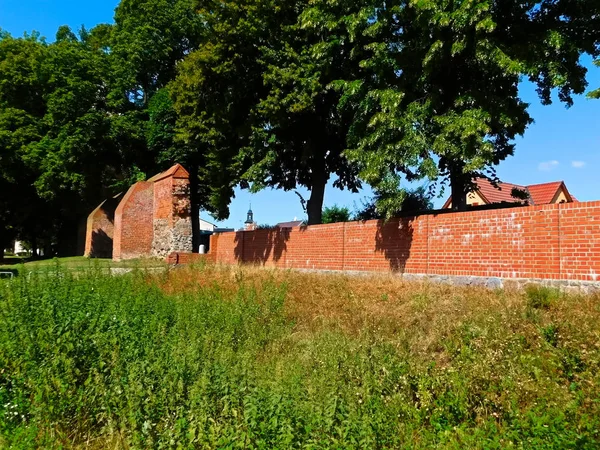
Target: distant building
[
  {"x": 535, "y": 194},
  {"x": 292, "y": 224},
  {"x": 208, "y": 227},
  {"x": 250, "y": 224},
  {"x": 19, "y": 248}
]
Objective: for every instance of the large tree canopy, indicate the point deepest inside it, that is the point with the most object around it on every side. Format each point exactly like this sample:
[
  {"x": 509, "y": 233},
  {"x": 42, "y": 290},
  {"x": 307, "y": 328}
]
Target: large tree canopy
[
  {"x": 215, "y": 92},
  {"x": 21, "y": 107},
  {"x": 257, "y": 99},
  {"x": 274, "y": 93},
  {"x": 441, "y": 98},
  {"x": 68, "y": 144},
  {"x": 77, "y": 120}
]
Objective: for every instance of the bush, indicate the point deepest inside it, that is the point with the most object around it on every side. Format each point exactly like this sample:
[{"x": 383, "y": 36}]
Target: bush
[
  {"x": 541, "y": 297},
  {"x": 335, "y": 214}
]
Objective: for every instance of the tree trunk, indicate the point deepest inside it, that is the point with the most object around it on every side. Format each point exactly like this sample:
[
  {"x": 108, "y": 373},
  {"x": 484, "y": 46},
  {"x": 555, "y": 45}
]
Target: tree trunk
[
  {"x": 314, "y": 205},
  {"x": 195, "y": 207},
  {"x": 34, "y": 248},
  {"x": 458, "y": 187},
  {"x": 3, "y": 242}
]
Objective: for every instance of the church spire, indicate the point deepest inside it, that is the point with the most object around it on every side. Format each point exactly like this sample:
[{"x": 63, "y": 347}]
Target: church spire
[{"x": 250, "y": 218}]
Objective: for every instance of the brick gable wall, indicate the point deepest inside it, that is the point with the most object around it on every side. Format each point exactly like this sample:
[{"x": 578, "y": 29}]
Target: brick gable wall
[
  {"x": 152, "y": 219},
  {"x": 100, "y": 229},
  {"x": 133, "y": 222}
]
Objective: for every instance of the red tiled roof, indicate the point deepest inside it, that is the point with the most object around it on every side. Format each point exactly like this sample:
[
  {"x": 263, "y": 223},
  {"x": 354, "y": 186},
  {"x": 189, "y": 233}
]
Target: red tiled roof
[
  {"x": 543, "y": 194},
  {"x": 502, "y": 193},
  {"x": 539, "y": 194}
]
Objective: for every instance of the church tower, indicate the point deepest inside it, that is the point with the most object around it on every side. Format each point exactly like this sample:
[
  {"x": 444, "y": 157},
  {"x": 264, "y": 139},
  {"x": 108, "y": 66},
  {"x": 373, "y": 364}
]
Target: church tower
[{"x": 250, "y": 224}]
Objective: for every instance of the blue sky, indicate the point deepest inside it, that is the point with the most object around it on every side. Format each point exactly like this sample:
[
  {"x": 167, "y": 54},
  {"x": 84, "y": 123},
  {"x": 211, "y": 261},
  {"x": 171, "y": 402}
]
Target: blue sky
[{"x": 562, "y": 144}]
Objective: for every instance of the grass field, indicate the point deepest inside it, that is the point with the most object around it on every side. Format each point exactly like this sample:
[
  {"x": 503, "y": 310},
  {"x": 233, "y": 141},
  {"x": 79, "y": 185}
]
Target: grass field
[
  {"x": 212, "y": 357},
  {"x": 74, "y": 263}
]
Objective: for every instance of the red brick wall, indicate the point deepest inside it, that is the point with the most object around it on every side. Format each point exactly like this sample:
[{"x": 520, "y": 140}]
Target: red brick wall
[
  {"x": 547, "y": 242},
  {"x": 100, "y": 229},
  {"x": 133, "y": 222},
  {"x": 172, "y": 213},
  {"x": 188, "y": 258},
  {"x": 579, "y": 241},
  {"x": 163, "y": 198}
]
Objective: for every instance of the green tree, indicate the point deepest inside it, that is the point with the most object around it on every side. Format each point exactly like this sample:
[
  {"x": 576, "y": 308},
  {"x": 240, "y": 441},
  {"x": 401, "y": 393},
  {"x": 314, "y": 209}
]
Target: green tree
[
  {"x": 335, "y": 213},
  {"x": 88, "y": 148},
  {"x": 70, "y": 146},
  {"x": 391, "y": 201},
  {"x": 596, "y": 93},
  {"x": 215, "y": 91},
  {"x": 441, "y": 100},
  {"x": 257, "y": 98},
  {"x": 21, "y": 109},
  {"x": 148, "y": 40},
  {"x": 300, "y": 133}
]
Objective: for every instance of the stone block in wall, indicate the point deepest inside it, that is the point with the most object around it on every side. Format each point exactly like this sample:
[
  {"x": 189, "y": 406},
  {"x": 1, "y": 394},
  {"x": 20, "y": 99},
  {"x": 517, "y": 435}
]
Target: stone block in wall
[{"x": 172, "y": 220}]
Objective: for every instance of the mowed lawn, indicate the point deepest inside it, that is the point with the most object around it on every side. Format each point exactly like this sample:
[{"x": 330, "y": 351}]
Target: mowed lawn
[{"x": 230, "y": 357}]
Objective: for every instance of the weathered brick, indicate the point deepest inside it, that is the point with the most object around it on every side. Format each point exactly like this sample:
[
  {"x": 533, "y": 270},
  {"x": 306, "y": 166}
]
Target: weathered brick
[{"x": 559, "y": 242}]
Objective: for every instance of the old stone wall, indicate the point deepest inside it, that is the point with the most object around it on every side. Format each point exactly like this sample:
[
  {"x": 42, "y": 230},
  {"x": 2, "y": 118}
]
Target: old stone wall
[
  {"x": 152, "y": 219},
  {"x": 172, "y": 222}
]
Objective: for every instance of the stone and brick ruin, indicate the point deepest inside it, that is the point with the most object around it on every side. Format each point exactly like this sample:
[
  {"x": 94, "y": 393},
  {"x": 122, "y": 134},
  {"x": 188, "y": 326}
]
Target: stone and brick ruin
[
  {"x": 153, "y": 218},
  {"x": 555, "y": 243}
]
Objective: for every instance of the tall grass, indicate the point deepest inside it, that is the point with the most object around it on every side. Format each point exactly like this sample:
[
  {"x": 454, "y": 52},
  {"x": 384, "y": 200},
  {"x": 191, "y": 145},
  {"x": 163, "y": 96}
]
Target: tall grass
[{"x": 212, "y": 357}]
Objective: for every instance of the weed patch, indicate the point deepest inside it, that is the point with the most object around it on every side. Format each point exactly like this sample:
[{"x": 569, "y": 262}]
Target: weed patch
[{"x": 213, "y": 357}]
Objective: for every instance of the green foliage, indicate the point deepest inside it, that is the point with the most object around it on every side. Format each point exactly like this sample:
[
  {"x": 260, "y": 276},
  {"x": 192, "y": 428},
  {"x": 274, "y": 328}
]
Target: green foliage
[
  {"x": 272, "y": 93},
  {"x": 148, "y": 39},
  {"x": 438, "y": 97},
  {"x": 595, "y": 93},
  {"x": 21, "y": 107},
  {"x": 519, "y": 194},
  {"x": 57, "y": 122},
  {"x": 118, "y": 362},
  {"x": 101, "y": 354},
  {"x": 541, "y": 297},
  {"x": 216, "y": 87},
  {"x": 551, "y": 335},
  {"x": 335, "y": 213},
  {"x": 391, "y": 201},
  {"x": 100, "y": 357},
  {"x": 77, "y": 120},
  {"x": 264, "y": 114}
]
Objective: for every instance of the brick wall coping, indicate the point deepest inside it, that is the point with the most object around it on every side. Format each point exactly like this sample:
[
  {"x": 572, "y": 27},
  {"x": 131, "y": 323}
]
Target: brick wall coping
[{"x": 176, "y": 171}]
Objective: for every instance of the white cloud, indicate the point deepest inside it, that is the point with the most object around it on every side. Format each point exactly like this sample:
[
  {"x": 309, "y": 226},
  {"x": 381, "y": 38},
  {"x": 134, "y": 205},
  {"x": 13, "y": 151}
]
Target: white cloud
[
  {"x": 578, "y": 164},
  {"x": 547, "y": 165}
]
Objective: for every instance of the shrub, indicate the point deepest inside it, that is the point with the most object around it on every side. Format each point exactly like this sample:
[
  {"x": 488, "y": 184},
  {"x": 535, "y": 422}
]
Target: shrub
[
  {"x": 335, "y": 214},
  {"x": 541, "y": 297}
]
